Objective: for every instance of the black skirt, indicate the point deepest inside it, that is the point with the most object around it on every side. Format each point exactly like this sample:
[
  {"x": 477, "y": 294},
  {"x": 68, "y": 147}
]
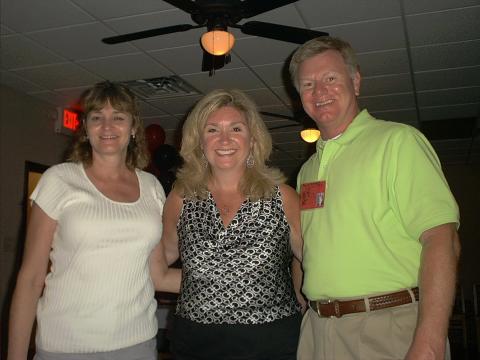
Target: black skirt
[{"x": 276, "y": 340}]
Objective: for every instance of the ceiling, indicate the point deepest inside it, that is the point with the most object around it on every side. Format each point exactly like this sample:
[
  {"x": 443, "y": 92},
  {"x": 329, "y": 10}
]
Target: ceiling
[{"x": 420, "y": 61}]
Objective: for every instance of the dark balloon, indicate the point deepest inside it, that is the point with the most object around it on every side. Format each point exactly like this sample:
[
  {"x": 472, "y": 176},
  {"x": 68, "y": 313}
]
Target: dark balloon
[
  {"x": 155, "y": 136},
  {"x": 165, "y": 157}
]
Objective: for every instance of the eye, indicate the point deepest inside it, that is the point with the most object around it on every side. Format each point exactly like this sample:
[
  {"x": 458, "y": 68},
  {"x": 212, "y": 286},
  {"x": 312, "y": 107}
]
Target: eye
[
  {"x": 94, "y": 118},
  {"x": 306, "y": 84},
  {"x": 237, "y": 129},
  {"x": 331, "y": 78},
  {"x": 210, "y": 130}
]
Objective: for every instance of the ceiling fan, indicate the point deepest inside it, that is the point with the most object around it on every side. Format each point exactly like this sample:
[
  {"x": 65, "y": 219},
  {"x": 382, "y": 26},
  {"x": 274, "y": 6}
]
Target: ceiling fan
[{"x": 217, "y": 16}]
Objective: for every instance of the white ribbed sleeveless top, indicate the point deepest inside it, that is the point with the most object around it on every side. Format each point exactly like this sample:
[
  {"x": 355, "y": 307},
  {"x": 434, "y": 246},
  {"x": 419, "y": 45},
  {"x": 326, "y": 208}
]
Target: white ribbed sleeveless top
[{"x": 98, "y": 295}]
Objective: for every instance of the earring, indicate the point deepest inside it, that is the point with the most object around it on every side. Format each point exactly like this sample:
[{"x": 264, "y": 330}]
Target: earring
[
  {"x": 250, "y": 161},
  {"x": 204, "y": 161},
  {"x": 133, "y": 136}
]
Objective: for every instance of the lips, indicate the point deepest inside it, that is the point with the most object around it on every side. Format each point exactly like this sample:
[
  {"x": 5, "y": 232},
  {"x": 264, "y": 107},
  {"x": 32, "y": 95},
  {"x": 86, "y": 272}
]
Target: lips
[{"x": 108, "y": 137}]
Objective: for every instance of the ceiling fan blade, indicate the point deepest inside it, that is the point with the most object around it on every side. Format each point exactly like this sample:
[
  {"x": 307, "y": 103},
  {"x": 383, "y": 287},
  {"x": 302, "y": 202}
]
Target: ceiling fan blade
[
  {"x": 185, "y": 5},
  {"x": 211, "y": 62},
  {"x": 148, "y": 33},
  {"x": 284, "y": 126},
  {"x": 254, "y": 7},
  {"x": 280, "y": 116},
  {"x": 279, "y": 32}
]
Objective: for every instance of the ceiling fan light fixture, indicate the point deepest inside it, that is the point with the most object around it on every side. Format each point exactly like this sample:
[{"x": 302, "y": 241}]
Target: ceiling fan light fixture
[
  {"x": 310, "y": 135},
  {"x": 217, "y": 42}
]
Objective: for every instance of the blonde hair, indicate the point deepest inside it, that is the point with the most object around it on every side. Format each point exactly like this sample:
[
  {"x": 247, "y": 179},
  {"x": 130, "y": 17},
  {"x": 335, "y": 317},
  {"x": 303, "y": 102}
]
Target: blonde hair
[
  {"x": 319, "y": 45},
  {"x": 192, "y": 178},
  {"x": 122, "y": 99}
]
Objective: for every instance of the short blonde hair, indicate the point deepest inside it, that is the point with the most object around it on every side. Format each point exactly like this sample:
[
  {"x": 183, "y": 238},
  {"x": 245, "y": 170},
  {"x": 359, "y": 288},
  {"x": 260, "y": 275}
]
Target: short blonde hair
[
  {"x": 192, "y": 178},
  {"x": 319, "y": 45},
  {"x": 122, "y": 99}
]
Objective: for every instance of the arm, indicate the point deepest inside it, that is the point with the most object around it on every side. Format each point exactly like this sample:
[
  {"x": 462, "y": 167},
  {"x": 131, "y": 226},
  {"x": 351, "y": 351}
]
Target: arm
[
  {"x": 166, "y": 252},
  {"x": 440, "y": 252},
  {"x": 297, "y": 278},
  {"x": 291, "y": 206},
  {"x": 30, "y": 282}
]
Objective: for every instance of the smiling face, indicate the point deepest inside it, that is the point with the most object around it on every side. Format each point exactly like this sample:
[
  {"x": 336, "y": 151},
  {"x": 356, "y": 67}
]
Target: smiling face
[
  {"x": 109, "y": 131},
  {"x": 328, "y": 92},
  {"x": 226, "y": 139}
]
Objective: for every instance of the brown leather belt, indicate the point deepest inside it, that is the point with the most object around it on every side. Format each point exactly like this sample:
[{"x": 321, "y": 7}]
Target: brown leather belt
[{"x": 338, "y": 308}]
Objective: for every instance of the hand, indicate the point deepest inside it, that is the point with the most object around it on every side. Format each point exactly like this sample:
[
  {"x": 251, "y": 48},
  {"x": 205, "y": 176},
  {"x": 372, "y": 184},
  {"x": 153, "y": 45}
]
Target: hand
[{"x": 425, "y": 351}]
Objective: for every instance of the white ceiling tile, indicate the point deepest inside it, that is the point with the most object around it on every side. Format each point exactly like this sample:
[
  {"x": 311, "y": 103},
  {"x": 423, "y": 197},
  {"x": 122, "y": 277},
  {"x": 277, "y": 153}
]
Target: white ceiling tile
[
  {"x": 288, "y": 95},
  {"x": 107, "y": 9},
  {"x": 18, "y": 51},
  {"x": 158, "y": 20},
  {"x": 264, "y": 97},
  {"x": 273, "y": 51},
  {"x": 420, "y": 6},
  {"x": 452, "y": 78},
  {"x": 376, "y": 35},
  {"x": 80, "y": 42},
  {"x": 147, "y": 110},
  {"x": 273, "y": 74},
  {"x": 387, "y": 102},
  {"x": 384, "y": 62},
  {"x": 17, "y": 82},
  {"x": 449, "y": 111},
  {"x": 235, "y": 78},
  {"x": 285, "y": 15},
  {"x": 388, "y": 84},
  {"x": 29, "y": 15},
  {"x": 72, "y": 95},
  {"x": 58, "y": 76},
  {"x": 457, "y": 25},
  {"x": 331, "y": 12},
  {"x": 446, "y": 56},
  {"x": 449, "y": 96},
  {"x": 405, "y": 116},
  {"x": 119, "y": 68},
  {"x": 176, "y": 105},
  {"x": 5, "y": 30}
]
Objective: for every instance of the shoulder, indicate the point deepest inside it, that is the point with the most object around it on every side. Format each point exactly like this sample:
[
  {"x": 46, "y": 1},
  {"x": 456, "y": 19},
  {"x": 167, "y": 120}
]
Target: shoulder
[
  {"x": 152, "y": 184},
  {"x": 289, "y": 195},
  {"x": 62, "y": 171}
]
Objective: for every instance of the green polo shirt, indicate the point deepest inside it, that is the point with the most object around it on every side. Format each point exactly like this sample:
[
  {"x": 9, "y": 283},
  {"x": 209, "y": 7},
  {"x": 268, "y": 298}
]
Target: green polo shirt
[{"x": 383, "y": 188}]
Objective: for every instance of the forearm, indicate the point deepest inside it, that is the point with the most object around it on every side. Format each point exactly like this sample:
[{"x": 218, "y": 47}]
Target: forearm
[
  {"x": 437, "y": 290},
  {"x": 22, "y": 317},
  {"x": 297, "y": 279}
]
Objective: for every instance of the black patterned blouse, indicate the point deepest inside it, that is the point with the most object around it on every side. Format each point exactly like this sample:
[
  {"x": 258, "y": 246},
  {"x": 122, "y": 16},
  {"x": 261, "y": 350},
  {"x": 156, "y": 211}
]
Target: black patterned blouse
[{"x": 239, "y": 274}]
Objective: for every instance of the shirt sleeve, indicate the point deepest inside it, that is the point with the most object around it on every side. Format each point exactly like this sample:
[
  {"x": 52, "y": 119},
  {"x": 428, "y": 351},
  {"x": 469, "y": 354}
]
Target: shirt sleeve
[
  {"x": 420, "y": 193},
  {"x": 49, "y": 194}
]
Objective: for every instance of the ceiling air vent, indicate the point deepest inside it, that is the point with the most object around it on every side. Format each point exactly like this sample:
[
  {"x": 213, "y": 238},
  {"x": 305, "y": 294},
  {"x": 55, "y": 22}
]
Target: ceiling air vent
[{"x": 161, "y": 88}]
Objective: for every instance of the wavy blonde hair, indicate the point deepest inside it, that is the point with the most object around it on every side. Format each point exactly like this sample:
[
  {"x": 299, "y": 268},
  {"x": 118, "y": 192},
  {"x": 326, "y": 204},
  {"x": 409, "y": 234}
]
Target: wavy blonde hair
[
  {"x": 122, "y": 99},
  {"x": 319, "y": 45},
  {"x": 192, "y": 178}
]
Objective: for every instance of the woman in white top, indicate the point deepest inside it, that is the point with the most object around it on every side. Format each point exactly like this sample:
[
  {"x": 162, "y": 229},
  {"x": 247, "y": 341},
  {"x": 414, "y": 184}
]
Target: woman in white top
[{"x": 96, "y": 219}]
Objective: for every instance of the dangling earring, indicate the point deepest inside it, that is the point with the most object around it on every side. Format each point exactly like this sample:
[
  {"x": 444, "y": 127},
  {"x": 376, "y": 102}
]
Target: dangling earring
[
  {"x": 204, "y": 161},
  {"x": 250, "y": 161}
]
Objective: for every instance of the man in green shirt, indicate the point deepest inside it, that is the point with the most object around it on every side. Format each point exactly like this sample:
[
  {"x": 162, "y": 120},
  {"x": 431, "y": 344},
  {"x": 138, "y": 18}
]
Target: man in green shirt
[{"x": 378, "y": 220}]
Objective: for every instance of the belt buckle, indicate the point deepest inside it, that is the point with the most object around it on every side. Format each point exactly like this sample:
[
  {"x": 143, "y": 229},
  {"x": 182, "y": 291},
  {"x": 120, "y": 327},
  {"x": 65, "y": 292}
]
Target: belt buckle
[{"x": 336, "y": 307}]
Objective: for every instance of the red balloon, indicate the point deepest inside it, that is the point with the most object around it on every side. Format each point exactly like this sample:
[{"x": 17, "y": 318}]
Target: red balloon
[{"x": 155, "y": 136}]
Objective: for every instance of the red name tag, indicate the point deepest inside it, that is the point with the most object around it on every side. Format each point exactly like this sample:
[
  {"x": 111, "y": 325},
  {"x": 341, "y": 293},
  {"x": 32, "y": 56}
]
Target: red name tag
[{"x": 312, "y": 195}]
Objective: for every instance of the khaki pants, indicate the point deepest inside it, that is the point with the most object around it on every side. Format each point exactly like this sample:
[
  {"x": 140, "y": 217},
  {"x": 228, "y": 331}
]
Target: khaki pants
[{"x": 378, "y": 335}]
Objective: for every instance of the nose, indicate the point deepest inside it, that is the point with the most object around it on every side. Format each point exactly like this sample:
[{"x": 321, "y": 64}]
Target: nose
[
  {"x": 319, "y": 87},
  {"x": 224, "y": 136},
  {"x": 107, "y": 122}
]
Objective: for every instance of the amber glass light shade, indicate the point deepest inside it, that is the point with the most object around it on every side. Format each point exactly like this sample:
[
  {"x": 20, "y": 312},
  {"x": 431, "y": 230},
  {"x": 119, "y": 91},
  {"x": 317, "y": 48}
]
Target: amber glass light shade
[
  {"x": 217, "y": 42},
  {"x": 310, "y": 135}
]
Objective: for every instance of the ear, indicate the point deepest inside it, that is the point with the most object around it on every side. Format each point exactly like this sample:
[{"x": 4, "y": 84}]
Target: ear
[{"x": 357, "y": 79}]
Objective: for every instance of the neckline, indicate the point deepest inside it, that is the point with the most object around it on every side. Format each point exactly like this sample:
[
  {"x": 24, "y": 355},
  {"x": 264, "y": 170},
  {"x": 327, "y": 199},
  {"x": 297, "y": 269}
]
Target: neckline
[
  {"x": 92, "y": 185},
  {"x": 218, "y": 215}
]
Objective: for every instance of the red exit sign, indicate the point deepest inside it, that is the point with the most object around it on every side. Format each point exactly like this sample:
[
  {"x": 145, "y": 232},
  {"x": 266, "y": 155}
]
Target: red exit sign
[
  {"x": 70, "y": 120},
  {"x": 67, "y": 122}
]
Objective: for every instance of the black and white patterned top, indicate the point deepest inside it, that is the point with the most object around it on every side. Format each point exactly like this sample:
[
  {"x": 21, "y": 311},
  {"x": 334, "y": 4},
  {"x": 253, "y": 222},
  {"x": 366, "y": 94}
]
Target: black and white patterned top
[{"x": 239, "y": 274}]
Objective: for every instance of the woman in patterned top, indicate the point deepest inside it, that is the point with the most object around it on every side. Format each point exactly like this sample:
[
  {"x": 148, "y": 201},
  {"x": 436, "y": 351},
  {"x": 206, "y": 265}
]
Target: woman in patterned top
[
  {"x": 96, "y": 218},
  {"x": 235, "y": 226}
]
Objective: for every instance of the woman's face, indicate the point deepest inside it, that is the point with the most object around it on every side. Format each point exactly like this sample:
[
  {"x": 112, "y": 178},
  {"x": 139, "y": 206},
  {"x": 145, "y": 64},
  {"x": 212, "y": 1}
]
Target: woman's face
[
  {"x": 226, "y": 140},
  {"x": 109, "y": 131}
]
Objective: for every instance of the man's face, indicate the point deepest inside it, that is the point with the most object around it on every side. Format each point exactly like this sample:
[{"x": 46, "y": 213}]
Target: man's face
[{"x": 328, "y": 92}]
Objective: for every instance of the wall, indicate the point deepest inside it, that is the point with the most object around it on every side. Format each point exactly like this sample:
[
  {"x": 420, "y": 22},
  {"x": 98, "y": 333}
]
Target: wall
[{"x": 26, "y": 134}]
